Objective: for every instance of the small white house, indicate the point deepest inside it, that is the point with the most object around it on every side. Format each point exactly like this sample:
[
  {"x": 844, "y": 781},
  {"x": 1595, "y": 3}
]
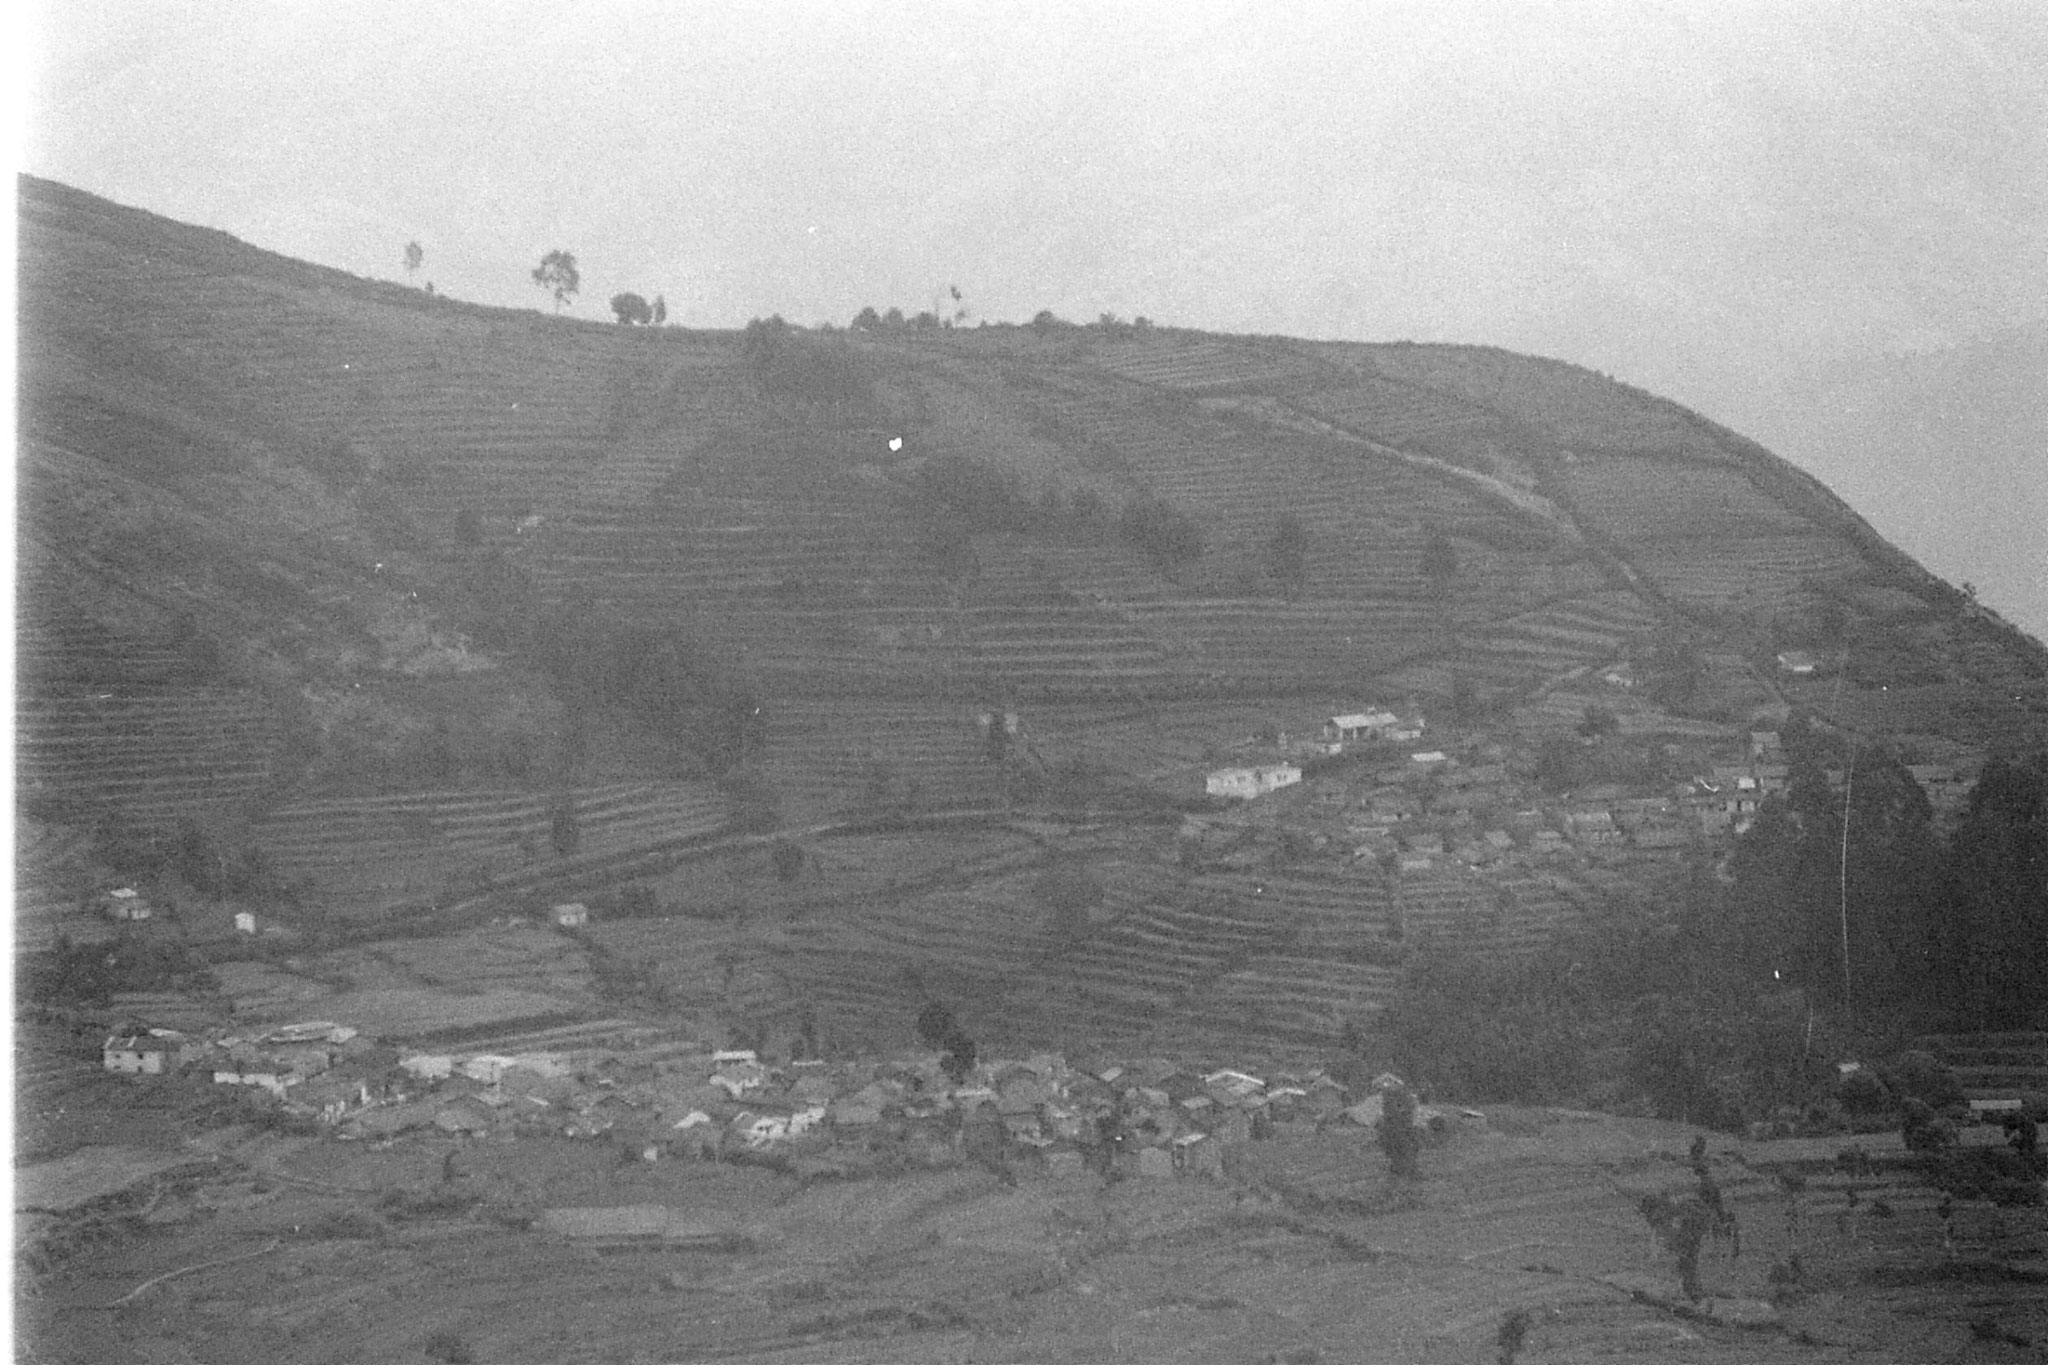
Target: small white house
[
  {"x": 125, "y": 903},
  {"x": 1798, "y": 662},
  {"x": 1244, "y": 784},
  {"x": 245, "y": 922},
  {"x": 133, "y": 1055},
  {"x": 573, "y": 915},
  {"x": 1361, "y": 725}
]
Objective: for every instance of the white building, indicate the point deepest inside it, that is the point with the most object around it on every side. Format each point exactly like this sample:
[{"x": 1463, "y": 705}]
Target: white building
[
  {"x": 1362, "y": 725},
  {"x": 139, "y": 1055},
  {"x": 1243, "y": 784},
  {"x": 573, "y": 915},
  {"x": 125, "y": 903}
]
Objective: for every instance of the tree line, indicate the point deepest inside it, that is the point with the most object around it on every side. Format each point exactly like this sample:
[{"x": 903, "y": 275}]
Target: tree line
[
  {"x": 953, "y": 497},
  {"x": 1728, "y": 992}
]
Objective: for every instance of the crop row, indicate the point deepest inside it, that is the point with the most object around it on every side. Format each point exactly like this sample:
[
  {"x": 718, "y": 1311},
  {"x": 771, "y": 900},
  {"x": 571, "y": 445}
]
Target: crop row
[
  {"x": 1183, "y": 364},
  {"x": 1648, "y": 500},
  {"x": 147, "y": 752},
  {"x": 1578, "y": 406},
  {"x": 861, "y": 757},
  {"x": 54, "y": 647},
  {"x": 1297, "y": 998},
  {"x": 1763, "y": 572},
  {"x": 1404, "y": 414},
  {"x": 416, "y": 844}
]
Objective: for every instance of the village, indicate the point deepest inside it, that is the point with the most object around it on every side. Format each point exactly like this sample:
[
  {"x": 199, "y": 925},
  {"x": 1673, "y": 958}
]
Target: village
[
  {"x": 1379, "y": 785},
  {"x": 1376, "y": 787},
  {"x": 813, "y": 1118}
]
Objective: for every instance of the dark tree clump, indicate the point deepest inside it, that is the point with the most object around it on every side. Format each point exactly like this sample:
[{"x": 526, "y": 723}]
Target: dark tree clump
[
  {"x": 1287, "y": 553},
  {"x": 631, "y": 309},
  {"x": 937, "y": 1028},
  {"x": 1397, "y": 1135}
]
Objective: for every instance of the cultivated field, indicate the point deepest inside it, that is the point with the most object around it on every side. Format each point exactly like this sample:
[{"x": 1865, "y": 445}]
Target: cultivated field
[{"x": 1305, "y": 1250}]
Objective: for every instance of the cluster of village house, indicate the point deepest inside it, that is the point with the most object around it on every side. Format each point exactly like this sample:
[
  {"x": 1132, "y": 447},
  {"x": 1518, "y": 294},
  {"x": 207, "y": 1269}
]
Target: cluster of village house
[
  {"x": 653, "y": 1105},
  {"x": 1423, "y": 805}
]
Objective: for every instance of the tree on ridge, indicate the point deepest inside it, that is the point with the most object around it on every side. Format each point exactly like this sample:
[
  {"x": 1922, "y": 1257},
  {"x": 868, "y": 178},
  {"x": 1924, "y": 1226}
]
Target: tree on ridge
[
  {"x": 630, "y": 309},
  {"x": 557, "y": 274}
]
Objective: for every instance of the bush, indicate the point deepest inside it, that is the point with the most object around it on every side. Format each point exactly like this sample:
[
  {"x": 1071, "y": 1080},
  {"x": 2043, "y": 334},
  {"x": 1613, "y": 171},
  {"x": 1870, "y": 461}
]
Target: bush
[
  {"x": 1919, "y": 1075},
  {"x": 406, "y": 1206},
  {"x": 1397, "y": 1135}
]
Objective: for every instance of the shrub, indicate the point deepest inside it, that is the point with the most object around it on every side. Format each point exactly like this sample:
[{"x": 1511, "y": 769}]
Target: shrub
[{"x": 1397, "y": 1135}]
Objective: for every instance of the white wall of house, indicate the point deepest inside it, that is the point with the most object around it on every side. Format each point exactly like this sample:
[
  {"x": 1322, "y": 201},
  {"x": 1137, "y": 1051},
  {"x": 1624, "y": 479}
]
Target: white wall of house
[{"x": 1244, "y": 784}]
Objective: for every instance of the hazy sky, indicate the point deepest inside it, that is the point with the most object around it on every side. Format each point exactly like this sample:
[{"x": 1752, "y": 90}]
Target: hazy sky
[{"x": 1823, "y": 224}]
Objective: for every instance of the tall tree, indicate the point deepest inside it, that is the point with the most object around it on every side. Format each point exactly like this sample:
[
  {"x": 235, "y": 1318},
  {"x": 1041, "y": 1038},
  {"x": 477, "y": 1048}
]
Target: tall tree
[
  {"x": 415, "y": 254},
  {"x": 660, "y": 310},
  {"x": 1997, "y": 929},
  {"x": 557, "y": 274}
]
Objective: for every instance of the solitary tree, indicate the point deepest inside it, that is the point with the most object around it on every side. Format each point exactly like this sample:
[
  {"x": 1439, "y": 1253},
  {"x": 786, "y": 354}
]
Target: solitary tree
[
  {"x": 557, "y": 274},
  {"x": 414, "y": 256},
  {"x": 660, "y": 310},
  {"x": 630, "y": 309},
  {"x": 1396, "y": 1131}
]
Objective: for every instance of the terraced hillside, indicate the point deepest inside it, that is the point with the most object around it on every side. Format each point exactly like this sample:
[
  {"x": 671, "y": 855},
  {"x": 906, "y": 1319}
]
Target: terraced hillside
[{"x": 374, "y": 581}]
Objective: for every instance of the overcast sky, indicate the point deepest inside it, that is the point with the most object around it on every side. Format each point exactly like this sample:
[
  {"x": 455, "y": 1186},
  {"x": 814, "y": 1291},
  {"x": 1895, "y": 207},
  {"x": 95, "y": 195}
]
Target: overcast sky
[{"x": 1825, "y": 225}]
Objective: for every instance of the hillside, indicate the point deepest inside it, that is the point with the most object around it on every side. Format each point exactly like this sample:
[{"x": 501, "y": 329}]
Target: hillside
[{"x": 415, "y": 603}]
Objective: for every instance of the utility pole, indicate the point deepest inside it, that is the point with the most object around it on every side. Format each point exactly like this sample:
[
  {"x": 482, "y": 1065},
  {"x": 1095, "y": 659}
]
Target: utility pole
[{"x": 1842, "y": 881}]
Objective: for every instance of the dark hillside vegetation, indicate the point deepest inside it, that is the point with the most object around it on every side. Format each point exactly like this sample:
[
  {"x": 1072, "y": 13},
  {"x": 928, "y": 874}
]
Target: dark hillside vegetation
[{"x": 419, "y": 604}]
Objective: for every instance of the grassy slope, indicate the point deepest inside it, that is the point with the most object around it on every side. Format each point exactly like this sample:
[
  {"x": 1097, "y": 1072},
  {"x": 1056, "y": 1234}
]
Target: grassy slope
[{"x": 247, "y": 594}]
